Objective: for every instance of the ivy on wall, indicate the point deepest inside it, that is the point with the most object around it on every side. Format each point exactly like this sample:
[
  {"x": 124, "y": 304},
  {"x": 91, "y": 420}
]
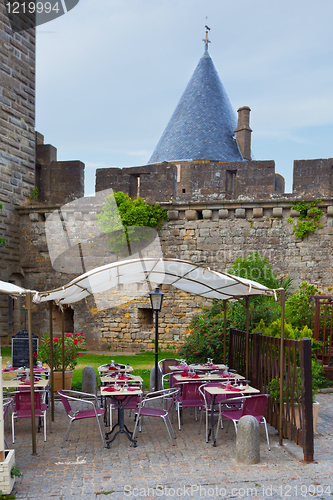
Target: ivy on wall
[
  {"x": 126, "y": 220},
  {"x": 308, "y": 219}
]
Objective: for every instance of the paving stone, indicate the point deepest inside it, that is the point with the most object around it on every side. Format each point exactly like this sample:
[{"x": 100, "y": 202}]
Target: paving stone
[{"x": 83, "y": 467}]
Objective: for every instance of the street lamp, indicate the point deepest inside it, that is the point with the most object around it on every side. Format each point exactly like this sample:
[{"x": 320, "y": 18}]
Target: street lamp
[{"x": 156, "y": 299}]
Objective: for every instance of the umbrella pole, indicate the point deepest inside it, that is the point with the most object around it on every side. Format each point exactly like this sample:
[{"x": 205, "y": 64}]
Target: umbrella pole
[
  {"x": 247, "y": 304},
  {"x": 225, "y": 331},
  {"x": 156, "y": 351},
  {"x": 282, "y": 302},
  {"x": 63, "y": 347},
  {"x": 51, "y": 359},
  {"x": 31, "y": 362}
]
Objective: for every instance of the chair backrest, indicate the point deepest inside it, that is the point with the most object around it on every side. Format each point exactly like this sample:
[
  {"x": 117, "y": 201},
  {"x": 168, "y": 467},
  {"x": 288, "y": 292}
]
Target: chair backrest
[
  {"x": 23, "y": 400},
  {"x": 255, "y": 405},
  {"x": 65, "y": 402},
  {"x": 165, "y": 364},
  {"x": 161, "y": 395},
  {"x": 191, "y": 393}
]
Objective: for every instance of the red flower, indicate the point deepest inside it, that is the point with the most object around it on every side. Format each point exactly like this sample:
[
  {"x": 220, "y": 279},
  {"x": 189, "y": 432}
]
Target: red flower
[
  {"x": 35, "y": 355},
  {"x": 78, "y": 354},
  {"x": 75, "y": 341},
  {"x": 56, "y": 339},
  {"x": 68, "y": 334}
]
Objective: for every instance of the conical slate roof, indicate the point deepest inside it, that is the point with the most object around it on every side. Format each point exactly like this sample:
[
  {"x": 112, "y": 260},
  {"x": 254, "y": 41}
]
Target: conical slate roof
[{"x": 203, "y": 123}]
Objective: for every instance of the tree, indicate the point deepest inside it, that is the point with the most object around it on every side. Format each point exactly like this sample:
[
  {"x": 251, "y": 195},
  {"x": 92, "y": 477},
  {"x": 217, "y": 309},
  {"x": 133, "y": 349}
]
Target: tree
[
  {"x": 256, "y": 267},
  {"x": 127, "y": 221}
]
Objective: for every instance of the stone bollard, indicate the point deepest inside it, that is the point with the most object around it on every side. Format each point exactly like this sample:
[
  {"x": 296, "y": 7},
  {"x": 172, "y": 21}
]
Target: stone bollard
[
  {"x": 247, "y": 440},
  {"x": 152, "y": 380},
  {"x": 89, "y": 380}
]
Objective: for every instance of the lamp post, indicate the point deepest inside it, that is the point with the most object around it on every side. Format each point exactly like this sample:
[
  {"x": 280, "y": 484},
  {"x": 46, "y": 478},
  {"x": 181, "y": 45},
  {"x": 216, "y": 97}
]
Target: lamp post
[{"x": 156, "y": 299}]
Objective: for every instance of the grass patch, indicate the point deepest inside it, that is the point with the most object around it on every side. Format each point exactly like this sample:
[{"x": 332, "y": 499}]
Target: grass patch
[{"x": 142, "y": 363}]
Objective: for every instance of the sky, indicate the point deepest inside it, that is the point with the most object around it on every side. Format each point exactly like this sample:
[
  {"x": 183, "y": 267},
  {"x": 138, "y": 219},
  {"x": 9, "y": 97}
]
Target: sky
[{"x": 110, "y": 73}]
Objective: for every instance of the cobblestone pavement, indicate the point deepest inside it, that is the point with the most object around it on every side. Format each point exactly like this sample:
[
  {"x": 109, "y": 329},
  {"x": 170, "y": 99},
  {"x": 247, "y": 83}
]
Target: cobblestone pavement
[{"x": 84, "y": 470}]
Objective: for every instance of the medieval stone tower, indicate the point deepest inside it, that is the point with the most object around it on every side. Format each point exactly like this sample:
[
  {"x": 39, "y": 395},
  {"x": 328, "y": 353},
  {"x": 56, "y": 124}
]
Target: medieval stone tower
[{"x": 17, "y": 155}]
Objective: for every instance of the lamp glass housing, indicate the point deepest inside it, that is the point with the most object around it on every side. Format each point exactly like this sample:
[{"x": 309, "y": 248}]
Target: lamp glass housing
[{"x": 156, "y": 299}]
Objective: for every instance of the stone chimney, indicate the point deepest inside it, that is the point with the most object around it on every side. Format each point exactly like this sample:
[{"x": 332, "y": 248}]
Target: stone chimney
[{"x": 243, "y": 132}]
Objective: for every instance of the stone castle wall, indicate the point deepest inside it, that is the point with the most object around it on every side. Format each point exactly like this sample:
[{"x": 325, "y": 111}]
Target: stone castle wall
[
  {"x": 212, "y": 234},
  {"x": 17, "y": 153},
  {"x": 206, "y": 181}
]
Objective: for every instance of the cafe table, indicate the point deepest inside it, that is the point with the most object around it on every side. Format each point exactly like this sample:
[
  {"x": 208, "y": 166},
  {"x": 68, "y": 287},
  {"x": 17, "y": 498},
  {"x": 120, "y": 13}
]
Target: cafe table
[
  {"x": 44, "y": 370},
  {"x": 120, "y": 397},
  {"x": 15, "y": 384},
  {"x": 109, "y": 369},
  {"x": 198, "y": 366},
  {"x": 111, "y": 379},
  {"x": 207, "y": 377},
  {"x": 241, "y": 391}
]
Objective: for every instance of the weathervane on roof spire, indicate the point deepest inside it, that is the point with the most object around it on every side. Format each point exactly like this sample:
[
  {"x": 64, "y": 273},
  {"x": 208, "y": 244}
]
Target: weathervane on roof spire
[{"x": 206, "y": 40}]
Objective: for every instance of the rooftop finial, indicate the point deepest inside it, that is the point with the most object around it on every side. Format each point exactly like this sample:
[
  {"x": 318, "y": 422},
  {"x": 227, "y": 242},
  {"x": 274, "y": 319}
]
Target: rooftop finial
[{"x": 206, "y": 40}]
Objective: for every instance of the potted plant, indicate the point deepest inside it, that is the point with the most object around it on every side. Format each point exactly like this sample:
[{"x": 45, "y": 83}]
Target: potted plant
[{"x": 73, "y": 343}]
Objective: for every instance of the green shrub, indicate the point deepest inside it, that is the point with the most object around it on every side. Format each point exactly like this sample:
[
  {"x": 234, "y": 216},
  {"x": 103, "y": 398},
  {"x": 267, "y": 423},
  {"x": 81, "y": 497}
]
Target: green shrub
[
  {"x": 206, "y": 339},
  {"x": 299, "y": 306}
]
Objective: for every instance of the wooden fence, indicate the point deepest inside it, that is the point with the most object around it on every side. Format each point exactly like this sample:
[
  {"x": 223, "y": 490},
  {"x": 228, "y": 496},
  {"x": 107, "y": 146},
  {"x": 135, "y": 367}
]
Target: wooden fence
[
  {"x": 264, "y": 373},
  {"x": 323, "y": 331}
]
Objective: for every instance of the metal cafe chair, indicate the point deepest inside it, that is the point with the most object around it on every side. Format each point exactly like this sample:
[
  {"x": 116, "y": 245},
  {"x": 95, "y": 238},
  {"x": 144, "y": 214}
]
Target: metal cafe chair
[
  {"x": 145, "y": 410},
  {"x": 164, "y": 364},
  {"x": 190, "y": 397},
  {"x": 22, "y": 408},
  {"x": 68, "y": 396},
  {"x": 253, "y": 405}
]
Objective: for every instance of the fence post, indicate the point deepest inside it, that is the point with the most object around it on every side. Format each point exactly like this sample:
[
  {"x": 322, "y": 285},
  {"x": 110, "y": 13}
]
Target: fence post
[
  {"x": 307, "y": 417},
  {"x": 257, "y": 360},
  {"x": 231, "y": 346}
]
